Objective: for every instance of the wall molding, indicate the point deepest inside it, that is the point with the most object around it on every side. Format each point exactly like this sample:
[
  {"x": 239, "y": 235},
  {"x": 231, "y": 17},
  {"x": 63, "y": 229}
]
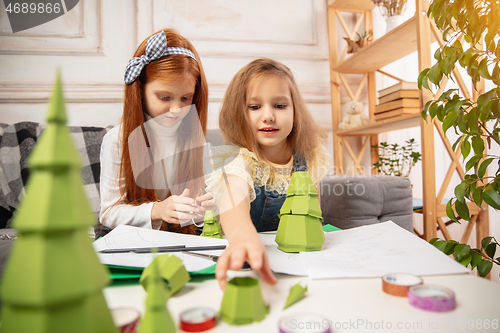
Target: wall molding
[
  {"x": 88, "y": 42},
  {"x": 113, "y": 93},
  {"x": 316, "y": 49}
]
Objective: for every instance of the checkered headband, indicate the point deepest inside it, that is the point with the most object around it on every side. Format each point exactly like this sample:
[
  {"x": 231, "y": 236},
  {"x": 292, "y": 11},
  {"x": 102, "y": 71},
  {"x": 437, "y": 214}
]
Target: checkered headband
[{"x": 156, "y": 47}]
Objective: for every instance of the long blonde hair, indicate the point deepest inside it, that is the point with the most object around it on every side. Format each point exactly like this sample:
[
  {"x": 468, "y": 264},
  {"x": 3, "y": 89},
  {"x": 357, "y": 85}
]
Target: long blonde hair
[{"x": 233, "y": 118}]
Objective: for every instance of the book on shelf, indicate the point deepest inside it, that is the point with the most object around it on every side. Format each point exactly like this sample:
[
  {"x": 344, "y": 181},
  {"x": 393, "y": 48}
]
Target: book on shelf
[
  {"x": 396, "y": 112},
  {"x": 403, "y": 85},
  {"x": 402, "y": 102},
  {"x": 399, "y": 94}
]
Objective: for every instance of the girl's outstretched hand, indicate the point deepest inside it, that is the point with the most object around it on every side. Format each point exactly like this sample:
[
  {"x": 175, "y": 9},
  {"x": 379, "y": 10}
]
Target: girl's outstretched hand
[
  {"x": 175, "y": 209},
  {"x": 247, "y": 248},
  {"x": 205, "y": 202}
]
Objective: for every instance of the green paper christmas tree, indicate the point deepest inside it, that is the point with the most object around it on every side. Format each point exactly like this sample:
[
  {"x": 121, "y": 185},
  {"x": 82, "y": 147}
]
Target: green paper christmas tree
[
  {"x": 157, "y": 318},
  {"x": 53, "y": 280},
  {"x": 211, "y": 227},
  {"x": 171, "y": 269},
  {"x": 300, "y": 228}
]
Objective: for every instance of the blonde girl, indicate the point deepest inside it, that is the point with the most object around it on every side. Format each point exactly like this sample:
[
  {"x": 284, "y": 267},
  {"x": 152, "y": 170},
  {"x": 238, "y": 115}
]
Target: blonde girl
[
  {"x": 166, "y": 100},
  {"x": 262, "y": 113}
]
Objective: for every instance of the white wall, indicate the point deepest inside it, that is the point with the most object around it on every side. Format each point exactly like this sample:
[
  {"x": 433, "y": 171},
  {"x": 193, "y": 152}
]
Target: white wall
[{"x": 93, "y": 43}]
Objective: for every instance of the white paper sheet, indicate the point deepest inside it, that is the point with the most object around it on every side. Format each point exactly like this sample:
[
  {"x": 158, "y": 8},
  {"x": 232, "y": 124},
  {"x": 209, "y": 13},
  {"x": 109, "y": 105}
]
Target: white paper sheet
[
  {"x": 282, "y": 262},
  {"x": 376, "y": 250},
  {"x": 125, "y": 236}
]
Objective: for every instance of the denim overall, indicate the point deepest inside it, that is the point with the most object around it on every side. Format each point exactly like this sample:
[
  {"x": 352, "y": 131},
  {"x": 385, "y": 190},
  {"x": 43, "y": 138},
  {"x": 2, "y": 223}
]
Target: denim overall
[{"x": 265, "y": 209}]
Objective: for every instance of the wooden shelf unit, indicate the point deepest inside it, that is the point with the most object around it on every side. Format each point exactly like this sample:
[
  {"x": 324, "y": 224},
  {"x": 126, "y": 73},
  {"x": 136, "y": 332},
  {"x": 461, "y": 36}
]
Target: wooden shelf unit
[{"x": 416, "y": 34}]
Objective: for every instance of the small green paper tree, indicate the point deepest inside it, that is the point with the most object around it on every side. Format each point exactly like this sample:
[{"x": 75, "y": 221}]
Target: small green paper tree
[
  {"x": 157, "y": 319},
  {"x": 300, "y": 226},
  {"x": 211, "y": 227},
  {"x": 53, "y": 280}
]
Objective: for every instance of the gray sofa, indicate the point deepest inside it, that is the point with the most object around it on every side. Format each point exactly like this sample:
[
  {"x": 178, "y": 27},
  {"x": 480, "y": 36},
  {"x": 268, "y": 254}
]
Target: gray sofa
[
  {"x": 346, "y": 201},
  {"x": 351, "y": 201}
]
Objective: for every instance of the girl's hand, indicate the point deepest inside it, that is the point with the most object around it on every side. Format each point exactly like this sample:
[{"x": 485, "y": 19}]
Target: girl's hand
[
  {"x": 175, "y": 209},
  {"x": 248, "y": 249},
  {"x": 204, "y": 203}
]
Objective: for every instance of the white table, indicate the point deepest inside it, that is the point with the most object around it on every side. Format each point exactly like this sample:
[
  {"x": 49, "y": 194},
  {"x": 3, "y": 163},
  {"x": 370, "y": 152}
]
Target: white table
[{"x": 352, "y": 305}]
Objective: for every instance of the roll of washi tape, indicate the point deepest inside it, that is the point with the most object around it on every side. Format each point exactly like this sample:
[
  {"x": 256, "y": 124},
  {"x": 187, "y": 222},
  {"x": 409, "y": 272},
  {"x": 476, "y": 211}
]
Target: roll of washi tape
[
  {"x": 432, "y": 298},
  {"x": 304, "y": 322},
  {"x": 126, "y": 319},
  {"x": 198, "y": 320},
  {"x": 398, "y": 284}
]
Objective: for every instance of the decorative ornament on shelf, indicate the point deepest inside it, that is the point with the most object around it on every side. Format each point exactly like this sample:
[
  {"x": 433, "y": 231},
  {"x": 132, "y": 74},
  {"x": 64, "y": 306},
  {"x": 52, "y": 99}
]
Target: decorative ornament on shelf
[
  {"x": 354, "y": 116},
  {"x": 363, "y": 40},
  {"x": 392, "y": 10}
]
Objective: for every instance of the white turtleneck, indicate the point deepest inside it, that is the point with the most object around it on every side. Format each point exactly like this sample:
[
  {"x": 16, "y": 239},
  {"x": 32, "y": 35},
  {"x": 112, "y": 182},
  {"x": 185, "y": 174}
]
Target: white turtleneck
[{"x": 114, "y": 211}]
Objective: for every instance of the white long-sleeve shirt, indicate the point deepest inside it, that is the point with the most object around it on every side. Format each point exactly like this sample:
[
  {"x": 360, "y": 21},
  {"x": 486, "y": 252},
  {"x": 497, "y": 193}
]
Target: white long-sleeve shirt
[{"x": 114, "y": 211}]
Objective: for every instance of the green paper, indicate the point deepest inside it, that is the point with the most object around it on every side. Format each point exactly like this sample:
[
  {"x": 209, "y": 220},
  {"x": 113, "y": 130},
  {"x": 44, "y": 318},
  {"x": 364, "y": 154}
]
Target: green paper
[
  {"x": 301, "y": 184},
  {"x": 299, "y": 233},
  {"x": 300, "y": 227},
  {"x": 302, "y": 205},
  {"x": 157, "y": 318},
  {"x": 211, "y": 227},
  {"x": 330, "y": 228},
  {"x": 171, "y": 269},
  {"x": 53, "y": 279},
  {"x": 242, "y": 302},
  {"x": 297, "y": 292}
]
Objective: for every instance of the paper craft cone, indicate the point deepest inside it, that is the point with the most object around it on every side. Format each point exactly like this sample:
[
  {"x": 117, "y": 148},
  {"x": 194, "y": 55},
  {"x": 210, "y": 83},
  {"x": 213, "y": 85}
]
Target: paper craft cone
[
  {"x": 171, "y": 269},
  {"x": 301, "y": 184},
  {"x": 211, "y": 227},
  {"x": 242, "y": 302},
  {"x": 300, "y": 227},
  {"x": 157, "y": 318},
  {"x": 53, "y": 279},
  {"x": 302, "y": 205},
  {"x": 297, "y": 292},
  {"x": 299, "y": 233}
]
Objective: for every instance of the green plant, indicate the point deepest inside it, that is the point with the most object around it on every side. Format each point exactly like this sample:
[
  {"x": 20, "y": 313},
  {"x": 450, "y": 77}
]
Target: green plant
[
  {"x": 396, "y": 160},
  {"x": 475, "y": 121}
]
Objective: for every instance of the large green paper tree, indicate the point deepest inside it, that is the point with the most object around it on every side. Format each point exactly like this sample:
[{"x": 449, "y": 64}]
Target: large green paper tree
[{"x": 53, "y": 280}]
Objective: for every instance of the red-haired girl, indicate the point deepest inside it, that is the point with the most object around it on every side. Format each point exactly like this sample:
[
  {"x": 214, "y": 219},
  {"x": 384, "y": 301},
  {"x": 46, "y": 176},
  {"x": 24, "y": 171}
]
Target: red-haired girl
[{"x": 164, "y": 114}]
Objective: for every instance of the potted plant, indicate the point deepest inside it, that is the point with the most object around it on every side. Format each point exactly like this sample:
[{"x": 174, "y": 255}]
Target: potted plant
[
  {"x": 394, "y": 159},
  {"x": 476, "y": 121}
]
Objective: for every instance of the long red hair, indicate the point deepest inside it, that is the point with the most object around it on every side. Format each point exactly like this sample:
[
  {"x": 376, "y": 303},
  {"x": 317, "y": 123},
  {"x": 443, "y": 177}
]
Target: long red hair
[{"x": 189, "y": 167}]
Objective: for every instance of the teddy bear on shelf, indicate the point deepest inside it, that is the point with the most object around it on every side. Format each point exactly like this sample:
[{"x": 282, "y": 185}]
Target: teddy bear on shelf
[{"x": 354, "y": 116}]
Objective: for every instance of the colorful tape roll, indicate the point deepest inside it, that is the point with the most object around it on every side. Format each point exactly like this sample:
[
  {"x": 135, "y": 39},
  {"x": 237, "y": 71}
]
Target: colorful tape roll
[
  {"x": 398, "y": 284},
  {"x": 304, "y": 322},
  {"x": 198, "y": 320},
  {"x": 432, "y": 298},
  {"x": 126, "y": 319}
]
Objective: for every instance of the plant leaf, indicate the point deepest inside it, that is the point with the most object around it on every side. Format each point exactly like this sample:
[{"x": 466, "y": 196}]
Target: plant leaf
[
  {"x": 460, "y": 191},
  {"x": 462, "y": 210},
  {"x": 492, "y": 198},
  {"x": 450, "y": 212},
  {"x": 461, "y": 250},
  {"x": 486, "y": 241},
  {"x": 477, "y": 195},
  {"x": 440, "y": 245},
  {"x": 478, "y": 145},
  {"x": 490, "y": 250},
  {"x": 466, "y": 260},
  {"x": 484, "y": 267},
  {"x": 476, "y": 259},
  {"x": 482, "y": 168}
]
